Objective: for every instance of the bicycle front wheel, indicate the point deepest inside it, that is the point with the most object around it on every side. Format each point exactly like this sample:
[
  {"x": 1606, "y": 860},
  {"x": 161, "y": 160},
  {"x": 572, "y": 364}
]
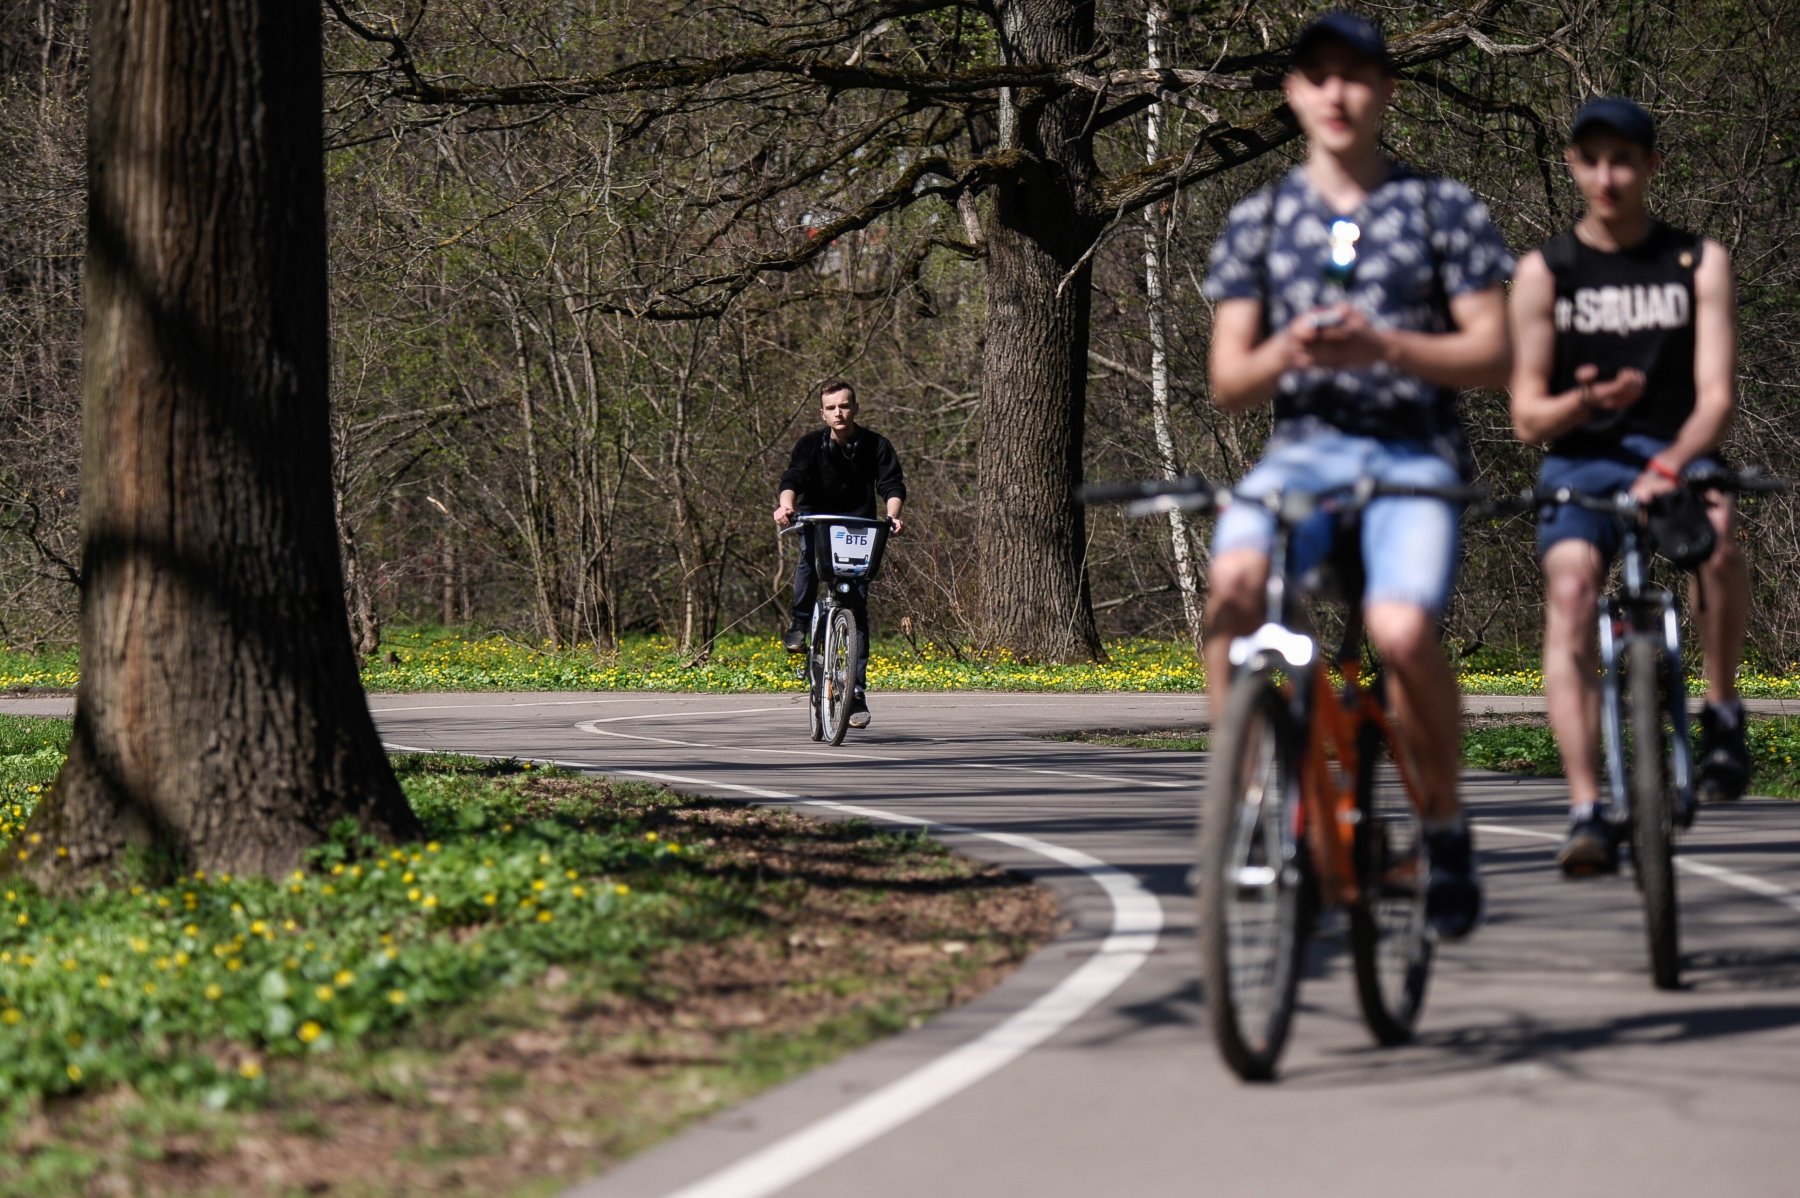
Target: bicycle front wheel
[
  {"x": 843, "y": 648},
  {"x": 1653, "y": 809},
  {"x": 1251, "y": 880},
  {"x": 1389, "y": 941}
]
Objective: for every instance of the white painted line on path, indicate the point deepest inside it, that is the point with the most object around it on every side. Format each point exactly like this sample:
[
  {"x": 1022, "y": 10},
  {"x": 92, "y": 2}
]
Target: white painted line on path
[
  {"x": 488, "y": 704},
  {"x": 1749, "y": 883},
  {"x": 976, "y": 765},
  {"x": 1136, "y": 925},
  {"x": 852, "y": 755},
  {"x": 1137, "y": 922}
]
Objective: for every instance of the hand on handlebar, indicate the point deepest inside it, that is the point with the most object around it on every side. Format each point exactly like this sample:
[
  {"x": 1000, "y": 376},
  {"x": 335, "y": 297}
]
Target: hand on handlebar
[
  {"x": 1649, "y": 485},
  {"x": 896, "y": 526},
  {"x": 784, "y": 515}
]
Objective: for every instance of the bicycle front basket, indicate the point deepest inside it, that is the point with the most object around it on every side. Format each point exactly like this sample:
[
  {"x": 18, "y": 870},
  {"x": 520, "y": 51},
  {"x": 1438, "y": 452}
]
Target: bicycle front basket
[{"x": 845, "y": 552}]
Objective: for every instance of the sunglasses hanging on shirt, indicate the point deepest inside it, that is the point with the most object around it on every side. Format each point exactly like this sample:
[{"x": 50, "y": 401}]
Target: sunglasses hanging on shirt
[{"x": 1340, "y": 244}]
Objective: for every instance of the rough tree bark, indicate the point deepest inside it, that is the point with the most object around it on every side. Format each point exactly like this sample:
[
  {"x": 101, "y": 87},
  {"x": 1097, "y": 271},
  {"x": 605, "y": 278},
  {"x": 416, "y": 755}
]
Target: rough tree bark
[
  {"x": 220, "y": 723},
  {"x": 1032, "y": 538}
]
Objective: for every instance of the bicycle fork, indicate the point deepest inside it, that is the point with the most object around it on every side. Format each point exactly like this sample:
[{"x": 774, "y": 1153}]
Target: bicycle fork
[{"x": 1615, "y": 630}]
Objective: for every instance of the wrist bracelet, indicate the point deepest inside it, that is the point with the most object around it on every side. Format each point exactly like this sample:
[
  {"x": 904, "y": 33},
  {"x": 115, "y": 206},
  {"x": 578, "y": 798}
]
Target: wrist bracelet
[{"x": 1663, "y": 468}]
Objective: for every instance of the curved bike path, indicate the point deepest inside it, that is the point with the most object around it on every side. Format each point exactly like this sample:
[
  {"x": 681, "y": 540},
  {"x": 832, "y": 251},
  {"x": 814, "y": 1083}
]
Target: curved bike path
[{"x": 1546, "y": 1061}]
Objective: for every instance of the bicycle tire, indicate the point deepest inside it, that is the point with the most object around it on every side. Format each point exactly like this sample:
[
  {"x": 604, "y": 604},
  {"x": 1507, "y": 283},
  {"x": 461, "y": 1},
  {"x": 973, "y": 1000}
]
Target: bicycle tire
[
  {"x": 1252, "y": 878},
  {"x": 1390, "y": 941},
  {"x": 1653, "y": 810},
  {"x": 843, "y": 646}
]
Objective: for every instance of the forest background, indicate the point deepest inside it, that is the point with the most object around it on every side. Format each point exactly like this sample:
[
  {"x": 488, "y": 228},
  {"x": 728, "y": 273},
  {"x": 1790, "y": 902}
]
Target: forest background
[{"x": 589, "y": 263}]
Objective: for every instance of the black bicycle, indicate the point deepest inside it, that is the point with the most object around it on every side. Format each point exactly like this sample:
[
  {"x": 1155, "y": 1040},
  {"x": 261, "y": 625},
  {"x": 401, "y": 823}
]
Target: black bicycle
[
  {"x": 847, "y": 553},
  {"x": 1643, "y": 690}
]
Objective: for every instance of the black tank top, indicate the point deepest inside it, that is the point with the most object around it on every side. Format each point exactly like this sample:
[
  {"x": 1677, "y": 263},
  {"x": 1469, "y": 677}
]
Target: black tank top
[{"x": 1630, "y": 308}]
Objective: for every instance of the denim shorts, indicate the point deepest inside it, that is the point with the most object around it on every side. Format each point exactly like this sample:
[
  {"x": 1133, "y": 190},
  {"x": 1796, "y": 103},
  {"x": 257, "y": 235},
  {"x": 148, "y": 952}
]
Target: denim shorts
[
  {"x": 1409, "y": 545},
  {"x": 1598, "y": 476}
]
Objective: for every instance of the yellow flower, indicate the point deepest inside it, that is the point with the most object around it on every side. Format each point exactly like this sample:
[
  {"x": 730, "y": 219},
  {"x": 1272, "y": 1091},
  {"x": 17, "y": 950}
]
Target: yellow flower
[
  {"x": 309, "y": 1031},
  {"x": 621, "y": 888},
  {"x": 429, "y": 902},
  {"x": 325, "y": 993},
  {"x": 74, "y": 1072},
  {"x": 544, "y": 917},
  {"x": 397, "y": 997},
  {"x": 214, "y": 992},
  {"x": 344, "y": 977},
  {"x": 10, "y": 1016},
  {"x": 249, "y": 1068}
]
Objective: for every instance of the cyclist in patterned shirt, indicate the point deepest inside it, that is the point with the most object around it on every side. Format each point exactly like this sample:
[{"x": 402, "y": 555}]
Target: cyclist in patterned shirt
[
  {"x": 1358, "y": 294},
  {"x": 1626, "y": 370}
]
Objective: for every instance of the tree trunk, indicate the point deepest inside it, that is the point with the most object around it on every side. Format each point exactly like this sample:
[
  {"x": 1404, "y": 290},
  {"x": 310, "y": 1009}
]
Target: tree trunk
[
  {"x": 220, "y": 722},
  {"x": 1157, "y": 219},
  {"x": 1032, "y": 538}
]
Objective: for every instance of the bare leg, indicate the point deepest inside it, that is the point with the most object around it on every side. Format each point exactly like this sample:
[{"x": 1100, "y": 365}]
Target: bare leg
[
  {"x": 1572, "y": 575},
  {"x": 1427, "y": 707},
  {"x": 1723, "y": 582},
  {"x": 1234, "y": 597}
]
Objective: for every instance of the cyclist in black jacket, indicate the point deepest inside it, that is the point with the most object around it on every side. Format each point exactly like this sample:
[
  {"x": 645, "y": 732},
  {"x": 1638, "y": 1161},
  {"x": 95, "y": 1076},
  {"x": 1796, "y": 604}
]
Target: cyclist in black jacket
[{"x": 839, "y": 470}]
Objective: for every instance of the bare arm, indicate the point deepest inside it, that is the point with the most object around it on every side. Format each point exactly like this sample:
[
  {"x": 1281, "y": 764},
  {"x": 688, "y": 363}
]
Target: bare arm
[
  {"x": 1715, "y": 359},
  {"x": 1539, "y": 415},
  {"x": 1245, "y": 366},
  {"x": 1477, "y": 354}
]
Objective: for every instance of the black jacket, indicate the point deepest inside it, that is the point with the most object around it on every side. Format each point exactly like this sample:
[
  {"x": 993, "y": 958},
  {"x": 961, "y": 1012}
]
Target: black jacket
[{"x": 843, "y": 481}]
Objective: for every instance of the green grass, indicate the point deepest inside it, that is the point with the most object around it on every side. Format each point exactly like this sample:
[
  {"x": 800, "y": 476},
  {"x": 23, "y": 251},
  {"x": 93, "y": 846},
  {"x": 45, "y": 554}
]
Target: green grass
[
  {"x": 220, "y": 994},
  {"x": 436, "y": 659},
  {"x": 1526, "y": 746}
]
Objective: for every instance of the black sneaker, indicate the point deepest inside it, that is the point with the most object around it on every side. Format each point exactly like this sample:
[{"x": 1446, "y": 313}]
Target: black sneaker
[
  {"x": 1453, "y": 888},
  {"x": 1590, "y": 849},
  {"x": 859, "y": 710},
  {"x": 1724, "y": 772},
  {"x": 794, "y": 639}
]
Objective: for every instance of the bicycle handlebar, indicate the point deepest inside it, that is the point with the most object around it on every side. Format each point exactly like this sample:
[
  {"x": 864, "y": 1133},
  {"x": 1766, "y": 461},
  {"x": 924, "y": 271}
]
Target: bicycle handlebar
[
  {"x": 1621, "y": 503},
  {"x": 1191, "y": 493},
  {"x": 800, "y": 521}
]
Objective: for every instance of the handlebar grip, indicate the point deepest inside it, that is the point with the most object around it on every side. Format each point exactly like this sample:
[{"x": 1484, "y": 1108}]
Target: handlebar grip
[{"x": 1149, "y": 488}]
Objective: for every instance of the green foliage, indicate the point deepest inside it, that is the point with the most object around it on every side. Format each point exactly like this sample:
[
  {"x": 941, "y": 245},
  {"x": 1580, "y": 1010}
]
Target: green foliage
[{"x": 1512, "y": 749}]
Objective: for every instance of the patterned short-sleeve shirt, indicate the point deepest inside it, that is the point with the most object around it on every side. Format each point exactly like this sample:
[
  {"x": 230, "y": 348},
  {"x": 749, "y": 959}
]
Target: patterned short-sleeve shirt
[{"x": 1424, "y": 240}]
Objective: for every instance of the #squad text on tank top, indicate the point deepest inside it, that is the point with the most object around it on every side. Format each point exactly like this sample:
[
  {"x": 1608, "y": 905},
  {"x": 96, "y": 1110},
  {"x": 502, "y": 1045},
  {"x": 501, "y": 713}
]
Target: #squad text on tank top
[{"x": 1630, "y": 309}]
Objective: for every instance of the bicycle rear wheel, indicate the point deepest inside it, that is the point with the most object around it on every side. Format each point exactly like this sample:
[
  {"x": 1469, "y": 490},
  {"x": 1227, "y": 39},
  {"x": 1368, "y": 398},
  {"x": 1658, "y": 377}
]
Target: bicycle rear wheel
[
  {"x": 1389, "y": 939},
  {"x": 1253, "y": 871},
  {"x": 1653, "y": 809},
  {"x": 843, "y": 648}
]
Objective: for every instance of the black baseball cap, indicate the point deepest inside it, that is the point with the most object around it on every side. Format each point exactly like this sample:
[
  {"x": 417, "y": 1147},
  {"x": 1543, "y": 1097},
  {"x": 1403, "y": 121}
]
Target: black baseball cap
[
  {"x": 1621, "y": 116},
  {"x": 1346, "y": 29}
]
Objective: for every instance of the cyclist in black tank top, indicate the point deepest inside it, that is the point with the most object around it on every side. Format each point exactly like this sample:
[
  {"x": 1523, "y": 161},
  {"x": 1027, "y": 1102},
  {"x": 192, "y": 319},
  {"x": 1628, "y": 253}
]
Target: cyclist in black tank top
[{"x": 1624, "y": 366}]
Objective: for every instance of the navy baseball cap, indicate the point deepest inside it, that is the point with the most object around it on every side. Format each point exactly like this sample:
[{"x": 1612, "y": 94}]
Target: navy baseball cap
[
  {"x": 1621, "y": 116},
  {"x": 1346, "y": 29}
]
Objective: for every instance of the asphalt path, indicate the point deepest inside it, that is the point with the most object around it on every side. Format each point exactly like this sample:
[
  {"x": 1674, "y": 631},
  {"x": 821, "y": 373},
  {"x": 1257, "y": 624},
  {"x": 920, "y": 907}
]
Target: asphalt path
[{"x": 1546, "y": 1064}]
